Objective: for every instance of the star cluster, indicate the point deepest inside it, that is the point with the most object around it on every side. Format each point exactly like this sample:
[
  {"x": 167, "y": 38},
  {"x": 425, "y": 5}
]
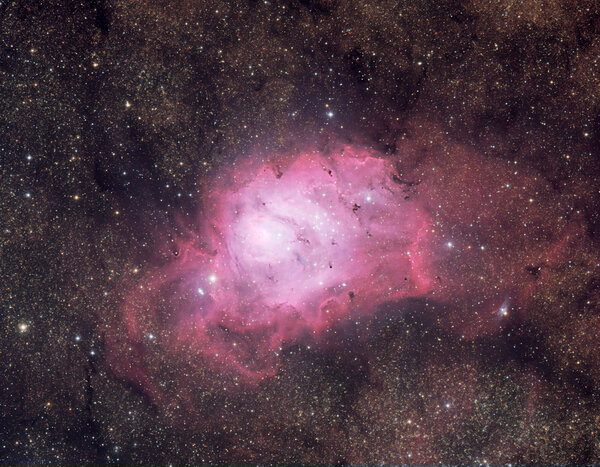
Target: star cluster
[{"x": 299, "y": 231}]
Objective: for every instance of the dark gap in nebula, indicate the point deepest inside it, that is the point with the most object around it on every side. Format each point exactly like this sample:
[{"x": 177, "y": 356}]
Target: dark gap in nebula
[
  {"x": 317, "y": 8},
  {"x": 528, "y": 347},
  {"x": 102, "y": 19}
]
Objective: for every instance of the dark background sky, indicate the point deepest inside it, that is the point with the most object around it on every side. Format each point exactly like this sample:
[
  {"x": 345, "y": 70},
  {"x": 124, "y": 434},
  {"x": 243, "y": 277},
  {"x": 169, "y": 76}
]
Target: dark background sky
[{"x": 114, "y": 114}]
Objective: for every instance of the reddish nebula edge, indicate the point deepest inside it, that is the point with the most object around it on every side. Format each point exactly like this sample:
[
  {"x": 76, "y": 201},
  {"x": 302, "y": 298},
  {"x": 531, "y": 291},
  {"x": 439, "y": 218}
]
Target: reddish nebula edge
[{"x": 286, "y": 248}]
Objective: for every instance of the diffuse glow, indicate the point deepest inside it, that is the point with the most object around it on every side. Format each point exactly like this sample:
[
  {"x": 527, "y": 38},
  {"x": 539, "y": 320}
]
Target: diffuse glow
[
  {"x": 290, "y": 250},
  {"x": 284, "y": 250}
]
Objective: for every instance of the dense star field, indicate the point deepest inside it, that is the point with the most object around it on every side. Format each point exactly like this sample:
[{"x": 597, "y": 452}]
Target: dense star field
[{"x": 300, "y": 231}]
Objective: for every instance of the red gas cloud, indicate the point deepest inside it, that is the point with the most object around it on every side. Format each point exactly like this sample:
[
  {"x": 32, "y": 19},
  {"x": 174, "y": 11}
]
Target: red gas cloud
[
  {"x": 287, "y": 249},
  {"x": 284, "y": 249}
]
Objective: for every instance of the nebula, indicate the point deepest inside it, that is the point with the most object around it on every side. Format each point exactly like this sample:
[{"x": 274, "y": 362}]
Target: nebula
[{"x": 285, "y": 248}]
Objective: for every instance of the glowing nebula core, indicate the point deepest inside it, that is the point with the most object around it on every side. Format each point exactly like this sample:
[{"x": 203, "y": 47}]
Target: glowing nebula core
[{"x": 302, "y": 241}]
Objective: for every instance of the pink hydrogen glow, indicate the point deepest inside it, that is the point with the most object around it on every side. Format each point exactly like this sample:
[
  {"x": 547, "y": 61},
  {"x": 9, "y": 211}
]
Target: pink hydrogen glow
[
  {"x": 287, "y": 251},
  {"x": 309, "y": 248},
  {"x": 306, "y": 237}
]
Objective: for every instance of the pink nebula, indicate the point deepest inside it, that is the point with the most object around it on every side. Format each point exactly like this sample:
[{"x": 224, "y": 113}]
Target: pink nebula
[
  {"x": 287, "y": 250},
  {"x": 323, "y": 248}
]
